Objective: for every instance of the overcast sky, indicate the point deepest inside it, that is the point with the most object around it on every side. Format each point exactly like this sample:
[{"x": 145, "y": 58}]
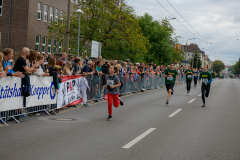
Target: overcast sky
[{"x": 217, "y": 21}]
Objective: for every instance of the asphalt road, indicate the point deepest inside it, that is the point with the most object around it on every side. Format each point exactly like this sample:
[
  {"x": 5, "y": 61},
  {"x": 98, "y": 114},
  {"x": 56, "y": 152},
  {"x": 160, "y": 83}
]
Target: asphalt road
[{"x": 144, "y": 128}]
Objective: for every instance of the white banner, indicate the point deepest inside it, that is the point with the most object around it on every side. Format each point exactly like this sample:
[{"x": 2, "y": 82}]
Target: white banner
[
  {"x": 69, "y": 91},
  {"x": 42, "y": 92},
  {"x": 96, "y": 49}
]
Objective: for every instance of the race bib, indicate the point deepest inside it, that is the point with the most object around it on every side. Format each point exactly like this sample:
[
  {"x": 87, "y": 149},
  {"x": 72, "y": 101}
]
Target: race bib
[
  {"x": 189, "y": 76},
  {"x": 109, "y": 82},
  {"x": 205, "y": 79},
  {"x": 169, "y": 78}
]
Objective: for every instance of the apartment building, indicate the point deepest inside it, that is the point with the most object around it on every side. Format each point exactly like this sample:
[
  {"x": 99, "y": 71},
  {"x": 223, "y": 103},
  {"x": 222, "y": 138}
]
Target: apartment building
[{"x": 23, "y": 23}]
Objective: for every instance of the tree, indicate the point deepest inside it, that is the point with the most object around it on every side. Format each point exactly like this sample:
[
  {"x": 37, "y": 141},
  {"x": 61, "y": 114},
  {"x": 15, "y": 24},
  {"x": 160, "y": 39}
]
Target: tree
[
  {"x": 218, "y": 66},
  {"x": 236, "y": 68},
  {"x": 116, "y": 27},
  {"x": 196, "y": 60},
  {"x": 159, "y": 35}
]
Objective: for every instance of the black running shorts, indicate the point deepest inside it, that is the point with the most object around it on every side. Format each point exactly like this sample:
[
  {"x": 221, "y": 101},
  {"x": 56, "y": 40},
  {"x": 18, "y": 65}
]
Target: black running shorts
[{"x": 169, "y": 86}]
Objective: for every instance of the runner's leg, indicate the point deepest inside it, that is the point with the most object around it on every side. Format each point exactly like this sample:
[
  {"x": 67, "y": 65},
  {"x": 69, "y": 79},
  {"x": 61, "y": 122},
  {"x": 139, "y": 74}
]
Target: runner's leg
[
  {"x": 110, "y": 101},
  {"x": 203, "y": 93},
  {"x": 207, "y": 90}
]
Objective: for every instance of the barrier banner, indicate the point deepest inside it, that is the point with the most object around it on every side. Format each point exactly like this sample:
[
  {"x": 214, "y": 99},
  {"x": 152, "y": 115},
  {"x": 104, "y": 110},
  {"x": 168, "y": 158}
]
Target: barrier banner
[
  {"x": 69, "y": 91},
  {"x": 42, "y": 92}
]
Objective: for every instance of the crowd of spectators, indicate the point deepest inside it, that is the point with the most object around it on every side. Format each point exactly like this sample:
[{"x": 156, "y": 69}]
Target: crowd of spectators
[{"x": 31, "y": 62}]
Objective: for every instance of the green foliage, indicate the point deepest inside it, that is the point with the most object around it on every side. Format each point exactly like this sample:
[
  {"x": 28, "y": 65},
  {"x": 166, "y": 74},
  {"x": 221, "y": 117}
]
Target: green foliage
[
  {"x": 196, "y": 60},
  {"x": 236, "y": 68},
  {"x": 218, "y": 66},
  {"x": 159, "y": 34},
  {"x": 116, "y": 27}
]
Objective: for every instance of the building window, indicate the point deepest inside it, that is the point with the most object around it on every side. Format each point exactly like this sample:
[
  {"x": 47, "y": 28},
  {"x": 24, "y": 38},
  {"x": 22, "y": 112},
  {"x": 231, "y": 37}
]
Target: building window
[
  {"x": 43, "y": 44},
  {"x": 45, "y": 13},
  {"x": 51, "y": 14},
  {"x": 76, "y": 2},
  {"x": 1, "y": 4},
  {"x": 62, "y": 17},
  {"x": 49, "y": 45},
  {"x": 56, "y": 15},
  {"x": 188, "y": 54},
  {"x": 37, "y": 42},
  {"x": 60, "y": 47},
  {"x": 55, "y": 46},
  {"x": 72, "y": 1},
  {"x": 39, "y": 13}
]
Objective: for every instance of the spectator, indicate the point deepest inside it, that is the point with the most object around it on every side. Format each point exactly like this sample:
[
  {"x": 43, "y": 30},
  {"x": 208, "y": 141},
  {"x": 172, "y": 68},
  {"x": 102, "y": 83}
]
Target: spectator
[
  {"x": 60, "y": 63},
  {"x": 104, "y": 68},
  {"x": 81, "y": 65},
  {"x": 85, "y": 62},
  {"x": 72, "y": 59},
  {"x": 100, "y": 58},
  {"x": 67, "y": 69},
  {"x": 21, "y": 64},
  {"x": 103, "y": 62},
  {"x": 45, "y": 57},
  {"x": 6, "y": 64},
  {"x": 93, "y": 66},
  {"x": 58, "y": 70},
  {"x": 87, "y": 68},
  {"x": 39, "y": 71},
  {"x": 48, "y": 57},
  {"x": 2, "y": 73},
  {"x": 83, "y": 88},
  {"x": 76, "y": 66},
  {"x": 38, "y": 52},
  {"x": 51, "y": 66},
  {"x": 115, "y": 62},
  {"x": 32, "y": 58},
  {"x": 63, "y": 58},
  {"x": 127, "y": 61},
  {"x": 155, "y": 66}
]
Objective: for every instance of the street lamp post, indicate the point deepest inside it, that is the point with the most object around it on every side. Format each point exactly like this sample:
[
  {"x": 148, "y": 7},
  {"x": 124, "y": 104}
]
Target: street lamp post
[
  {"x": 186, "y": 52},
  {"x": 79, "y": 11}
]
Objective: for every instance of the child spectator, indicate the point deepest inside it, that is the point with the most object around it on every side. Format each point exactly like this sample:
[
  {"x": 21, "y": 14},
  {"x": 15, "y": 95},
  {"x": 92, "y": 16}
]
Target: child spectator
[
  {"x": 83, "y": 89},
  {"x": 58, "y": 70}
]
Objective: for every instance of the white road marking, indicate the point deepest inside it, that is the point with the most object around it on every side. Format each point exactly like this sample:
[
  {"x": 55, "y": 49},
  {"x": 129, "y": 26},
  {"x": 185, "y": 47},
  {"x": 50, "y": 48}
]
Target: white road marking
[
  {"x": 174, "y": 113},
  {"x": 130, "y": 144},
  {"x": 200, "y": 95},
  {"x": 192, "y": 100}
]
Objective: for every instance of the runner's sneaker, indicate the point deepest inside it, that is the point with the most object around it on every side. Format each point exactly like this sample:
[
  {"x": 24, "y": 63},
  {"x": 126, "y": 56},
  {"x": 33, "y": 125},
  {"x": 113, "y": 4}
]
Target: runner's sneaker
[
  {"x": 109, "y": 118},
  {"x": 167, "y": 101},
  {"x": 86, "y": 105},
  {"x": 121, "y": 102},
  {"x": 203, "y": 105}
]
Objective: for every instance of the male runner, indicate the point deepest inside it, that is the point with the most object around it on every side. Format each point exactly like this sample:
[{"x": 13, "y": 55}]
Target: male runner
[
  {"x": 206, "y": 83},
  {"x": 188, "y": 73},
  {"x": 170, "y": 74}
]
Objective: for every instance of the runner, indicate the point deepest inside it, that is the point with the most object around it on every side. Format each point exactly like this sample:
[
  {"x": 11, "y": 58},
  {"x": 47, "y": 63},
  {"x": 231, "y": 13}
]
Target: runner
[
  {"x": 112, "y": 84},
  {"x": 206, "y": 83},
  {"x": 188, "y": 73},
  {"x": 170, "y": 74},
  {"x": 195, "y": 77}
]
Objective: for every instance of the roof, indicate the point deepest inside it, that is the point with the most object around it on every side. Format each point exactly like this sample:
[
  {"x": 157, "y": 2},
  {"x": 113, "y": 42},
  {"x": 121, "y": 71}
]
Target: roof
[{"x": 191, "y": 48}]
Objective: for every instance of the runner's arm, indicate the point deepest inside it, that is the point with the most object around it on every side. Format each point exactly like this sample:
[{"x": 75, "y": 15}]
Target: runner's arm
[{"x": 209, "y": 80}]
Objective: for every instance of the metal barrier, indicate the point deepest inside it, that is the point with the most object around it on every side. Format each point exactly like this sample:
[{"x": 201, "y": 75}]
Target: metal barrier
[{"x": 131, "y": 83}]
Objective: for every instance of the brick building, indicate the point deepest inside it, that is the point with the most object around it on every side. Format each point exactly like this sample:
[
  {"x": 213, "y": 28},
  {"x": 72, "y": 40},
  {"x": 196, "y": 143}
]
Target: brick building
[{"x": 23, "y": 23}]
